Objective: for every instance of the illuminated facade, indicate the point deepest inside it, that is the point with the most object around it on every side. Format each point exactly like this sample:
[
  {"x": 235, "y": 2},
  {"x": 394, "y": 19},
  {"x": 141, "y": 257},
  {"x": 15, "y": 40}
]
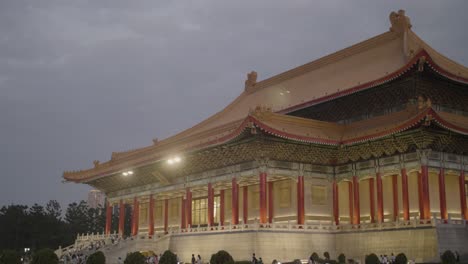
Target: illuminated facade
[{"x": 356, "y": 152}]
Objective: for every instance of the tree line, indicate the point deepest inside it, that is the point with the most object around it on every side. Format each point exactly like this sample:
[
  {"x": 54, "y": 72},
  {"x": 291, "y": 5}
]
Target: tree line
[{"x": 40, "y": 226}]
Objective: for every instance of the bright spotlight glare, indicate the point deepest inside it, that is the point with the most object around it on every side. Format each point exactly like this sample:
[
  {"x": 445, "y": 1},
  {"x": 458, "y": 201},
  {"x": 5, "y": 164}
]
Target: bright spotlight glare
[
  {"x": 170, "y": 161},
  {"x": 177, "y": 159},
  {"x": 130, "y": 172},
  {"x": 125, "y": 174}
]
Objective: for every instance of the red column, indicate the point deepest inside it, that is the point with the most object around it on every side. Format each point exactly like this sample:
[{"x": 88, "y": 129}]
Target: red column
[
  {"x": 137, "y": 222},
  {"x": 263, "y": 200},
  {"x": 245, "y": 204},
  {"x": 461, "y": 185},
  {"x": 183, "y": 211},
  {"x": 235, "y": 202},
  {"x": 108, "y": 218},
  {"x": 336, "y": 208},
  {"x": 420, "y": 196},
  {"x": 270, "y": 202},
  {"x": 442, "y": 198},
  {"x": 166, "y": 215},
  {"x": 372, "y": 200},
  {"x": 380, "y": 214},
  {"x": 188, "y": 205},
  {"x": 356, "y": 212},
  {"x": 221, "y": 207},
  {"x": 395, "y": 197},
  {"x": 425, "y": 185},
  {"x": 350, "y": 198},
  {"x": 135, "y": 217},
  {"x": 404, "y": 187},
  {"x": 210, "y": 204},
  {"x": 300, "y": 200},
  {"x": 151, "y": 216},
  {"x": 121, "y": 217}
]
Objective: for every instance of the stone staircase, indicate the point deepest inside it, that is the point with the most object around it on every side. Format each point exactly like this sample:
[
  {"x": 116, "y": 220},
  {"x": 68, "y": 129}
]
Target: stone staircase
[{"x": 141, "y": 243}]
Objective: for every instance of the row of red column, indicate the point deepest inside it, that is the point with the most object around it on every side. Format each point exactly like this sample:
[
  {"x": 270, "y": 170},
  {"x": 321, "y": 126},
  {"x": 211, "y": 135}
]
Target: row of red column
[
  {"x": 267, "y": 200},
  {"x": 423, "y": 195}
]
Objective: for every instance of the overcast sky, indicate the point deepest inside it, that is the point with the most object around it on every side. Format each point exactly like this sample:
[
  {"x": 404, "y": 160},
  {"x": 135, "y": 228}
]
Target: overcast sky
[{"x": 82, "y": 78}]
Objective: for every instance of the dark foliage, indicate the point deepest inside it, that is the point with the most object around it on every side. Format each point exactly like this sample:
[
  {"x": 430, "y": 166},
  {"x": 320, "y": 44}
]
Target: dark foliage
[
  {"x": 341, "y": 258},
  {"x": 10, "y": 257},
  {"x": 326, "y": 255},
  {"x": 401, "y": 259},
  {"x": 135, "y": 258},
  {"x": 448, "y": 257},
  {"x": 96, "y": 258},
  {"x": 314, "y": 256},
  {"x": 38, "y": 227},
  {"x": 45, "y": 256},
  {"x": 242, "y": 262},
  {"x": 221, "y": 257},
  {"x": 168, "y": 258},
  {"x": 372, "y": 259}
]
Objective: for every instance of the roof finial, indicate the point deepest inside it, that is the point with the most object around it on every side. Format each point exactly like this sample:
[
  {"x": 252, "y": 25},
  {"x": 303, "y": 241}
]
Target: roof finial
[
  {"x": 400, "y": 22},
  {"x": 251, "y": 80}
]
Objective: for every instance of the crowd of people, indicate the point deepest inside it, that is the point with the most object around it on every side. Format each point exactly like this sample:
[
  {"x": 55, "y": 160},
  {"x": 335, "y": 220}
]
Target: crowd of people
[
  {"x": 255, "y": 260},
  {"x": 80, "y": 253}
]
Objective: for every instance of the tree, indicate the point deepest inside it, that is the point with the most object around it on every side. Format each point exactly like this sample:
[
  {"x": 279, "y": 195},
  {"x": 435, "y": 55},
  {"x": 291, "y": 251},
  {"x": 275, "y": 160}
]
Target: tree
[
  {"x": 135, "y": 258},
  {"x": 45, "y": 256},
  {"x": 448, "y": 257},
  {"x": 14, "y": 227},
  {"x": 168, "y": 258},
  {"x": 401, "y": 259},
  {"x": 10, "y": 257},
  {"x": 96, "y": 258},
  {"x": 372, "y": 259},
  {"x": 342, "y": 258},
  {"x": 53, "y": 210},
  {"x": 314, "y": 257},
  {"x": 77, "y": 216},
  {"x": 221, "y": 257}
]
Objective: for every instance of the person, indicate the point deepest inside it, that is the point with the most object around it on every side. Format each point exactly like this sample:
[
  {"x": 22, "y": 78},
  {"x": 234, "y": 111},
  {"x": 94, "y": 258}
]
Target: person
[
  {"x": 254, "y": 259},
  {"x": 199, "y": 260},
  {"x": 193, "y": 259},
  {"x": 392, "y": 258},
  {"x": 260, "y": 261},
  {"x": 119, "y": 260}
]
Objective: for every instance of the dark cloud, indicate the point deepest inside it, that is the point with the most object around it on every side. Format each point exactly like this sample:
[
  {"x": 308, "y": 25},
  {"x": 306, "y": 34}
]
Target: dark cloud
[{"x": 80, "y": 79}]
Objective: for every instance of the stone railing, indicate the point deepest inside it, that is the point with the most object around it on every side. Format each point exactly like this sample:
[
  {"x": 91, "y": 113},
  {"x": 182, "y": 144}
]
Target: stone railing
[{"x": 324, "y": 227}]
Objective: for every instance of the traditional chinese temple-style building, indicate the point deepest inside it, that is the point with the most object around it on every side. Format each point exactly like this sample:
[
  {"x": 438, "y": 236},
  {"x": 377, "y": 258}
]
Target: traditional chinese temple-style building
[{"x": 362, "y": 151}]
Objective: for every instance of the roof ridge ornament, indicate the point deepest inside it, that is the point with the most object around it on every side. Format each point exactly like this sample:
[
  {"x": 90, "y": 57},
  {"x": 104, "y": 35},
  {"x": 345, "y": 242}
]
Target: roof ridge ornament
[
  {"x": 400, "y": 22},
  {"x": 251, "y": 80}
]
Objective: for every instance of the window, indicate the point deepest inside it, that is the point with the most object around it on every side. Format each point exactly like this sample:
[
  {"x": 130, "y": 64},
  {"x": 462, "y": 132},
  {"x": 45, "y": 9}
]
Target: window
[
  {"x": 255, "y": 197},
  {"x": 319, "y": 195},
  {"x": 466, "y": 188},
  {"x": 200, "y": 211},
  {"x": 174, "y": 212},
  {"x": 284, "y": 194},
  {"x": 158, "y": 212},
  {"x": 143, "y": 217}
]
